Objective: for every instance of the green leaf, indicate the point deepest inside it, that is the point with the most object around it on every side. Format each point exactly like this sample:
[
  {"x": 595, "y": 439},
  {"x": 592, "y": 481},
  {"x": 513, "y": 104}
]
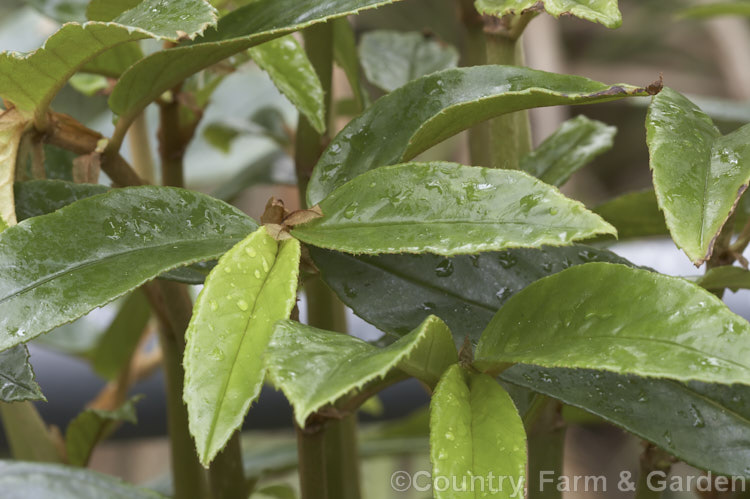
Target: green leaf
[
  {"x": 54, "y": 269},
  {"x": 116, "y": 346},
  {"x": 435, "y": 107},
  {"x": 275, "y": 492},
  {"x": 306, "y": 363},
  {"x": 40, "y": 197},
  {"x": 115, "y": 61},
  {"x": 635, "y": 214},
  {"x": 397, "y": 292},
  {"x": 17, "y": 381},
  {"x": 689, "y": 420},
  {"x": 648, "y": 324},
  {"x": 726, "y": 276},
  {"x": 570, "y": 148},
  {"x": 391, "y": 59},
  {"x": 709, "y": 10},
  {"x": 47, "y": 481},
  {"x": 239, "y": 30},
  {"x": 447, "y": 209},
  {"x": 253, "y": 286},
  {"x": 107, "y": 10},
  {"x": 3, "y": 225},
  {"x": 475, "y": 431},
  {"x": 92, "y": 426},
  {"x": 699, "y": 175},
  {"x": 598, "y": 11},
  {"x": 287, "y": 64},
  {"x": 12, "y": 127},
  {"x": 30, "y": 81},
  {"x": 29, "y": 438},
  {"x": 345, "y": 55}
]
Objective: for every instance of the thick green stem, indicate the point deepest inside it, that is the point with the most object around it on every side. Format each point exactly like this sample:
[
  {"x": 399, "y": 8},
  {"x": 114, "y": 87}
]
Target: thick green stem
[
  {"x": 171, "y": 144},
  {"x": 226, "y": 476},
  {"x": 28, "y": 436},
  {"x": 342, "y": 458},
  {"x": 312, "y": 463},
  {"x": 324, "y": 309},
  {"x": 510, "y": 134},
  {"x": 546, "y": 442}
]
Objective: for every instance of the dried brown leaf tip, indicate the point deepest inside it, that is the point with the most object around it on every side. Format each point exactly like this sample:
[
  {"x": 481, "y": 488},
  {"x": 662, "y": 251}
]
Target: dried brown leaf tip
[
  {"x": 278, "y": 220},
  {"x": 275, "y": 212},
  {"x": 300, "y": 217},
  {"x": 656, "y": 86}
]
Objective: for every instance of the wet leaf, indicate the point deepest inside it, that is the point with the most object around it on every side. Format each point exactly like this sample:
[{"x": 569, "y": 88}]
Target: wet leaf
[
  {"x": 598, "y": 11},
  {"x": 54, "y": 269},
  {"x": 397, "y": 292},
  {"x": 635, "y": 214},
  {"x": 40, "y": 197},
  {"x": 287, "y": 64},
  {"x": 436, "y": 107},
  {"x": 246, "y": 27},
  {"x": 446, "y": 209},
  {"x": 30, "y": 81},
  {"x": 92, "y": 426},
  {"x": 649, "y": 325},
  {"x": 699, "y": 174},
  {"x": 19, "y": 480},
  {"x": 475, "y": 431},
  {"x": 306, "y": 363},
  {"x": 17, "y": 381},
  {"x": 570, "y": 148},
  {"x": 690, "y": 420},
  {"x": 253, "y": 286},
  {"x": 391, "y": 59}
]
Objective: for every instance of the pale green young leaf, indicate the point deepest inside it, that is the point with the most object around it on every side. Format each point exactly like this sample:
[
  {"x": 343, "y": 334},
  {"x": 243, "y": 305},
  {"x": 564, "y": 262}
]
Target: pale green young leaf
[
  {"x": 715, "y": 9},
  {"x": 475, "y": 431},
  {"x": 29, "y": 437},
  {"x": 20, "y": 480},
  {"x": 246, "y": 27},
  {"x": 605, "y": 12},
  {"x": 435, "y": 107},
  {"x": 447, "y": 209},
  {"x": 253, "y": 286},
  {"x": 306, "y": 363},
  {"x": 287, "y": 64},
  {"x": 568, "y": 149},
  {"x": 648, "y": 324},
  {"x": 391, "y": 59},
  {"x": 54, "y": 269},
  {"x": 699, "y": 175},
  {"x": 17, "y": 381},
  {"x": 92, "y": 426}
]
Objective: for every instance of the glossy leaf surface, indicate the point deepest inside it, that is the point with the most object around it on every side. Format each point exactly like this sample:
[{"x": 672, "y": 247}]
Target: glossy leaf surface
[
  {"x": 699, "y": 174},
  {"x": 40, "y": 197},
  {"x": 635, "y": 214},
  {"x": 243, "y": 28},
  {"x": 648, "y": 324},
  {"x": 287, "y": 64},
  {"x": 435, "y": 107},
  {"x": 22, "y": 480},
  {"x": 12, "y": 126},
  {"x": 599, "y": 11},
  {"x": 397, "y": 292},
  {"x": 570, "y": 148},
  {"x": 30, "y": 81},
  {"x": 475, "y": 431},
  {"x": 392, "y": 59},
  {"x": 447, "y": 209},
  {"x": 90, "y": 427},
  {"x": 17, "y": 381},
  {"x": 253, "y": 286},
  {"x": 306, "y": 363},
  {"x": 130, "y": 236},
  {"x": 689, "y": 420}
]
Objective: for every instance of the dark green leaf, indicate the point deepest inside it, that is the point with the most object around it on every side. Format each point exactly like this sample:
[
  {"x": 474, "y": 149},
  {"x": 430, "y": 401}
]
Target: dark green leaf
[
  {"x": 305, "y": 362},
  {"x": 635, "y": 214},
  {"x": 435, "y": 107},
  {"x": 397, "y": 292},
  {"x": 345, "y": 55},
  {"x": 391, "y": 59},
  {"x": 92, "y": 426},
  {"x": 253, "y": 286},
  {"x": 599, "y": 11},
  {"x": 239, "y": 30},
  {"x": 570, "y": 148},
  {"x": 446, "y": 209},
  {"x": 54, "y": 269},
  {"x": 647, "y": 324},
  {"x": 20, "y": 480},
  {"x": 40, "y": 197},
  {"x": 689, "y": 420},
  {"x": 699, "y": 175},
  {"x": 17, "y": 381},
  {"x": 475, "y": 431}
]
